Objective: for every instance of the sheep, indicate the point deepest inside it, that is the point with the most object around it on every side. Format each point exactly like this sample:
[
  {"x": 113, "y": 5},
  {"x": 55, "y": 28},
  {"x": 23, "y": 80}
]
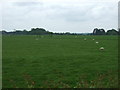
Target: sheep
[
  {"x": 36, "y": 38},
  {"x": 101, "y": 48},
  {"x": 96, "y": 42},
  {"x": 93, "y": 39},
  {"x": 85, "y": 39}
]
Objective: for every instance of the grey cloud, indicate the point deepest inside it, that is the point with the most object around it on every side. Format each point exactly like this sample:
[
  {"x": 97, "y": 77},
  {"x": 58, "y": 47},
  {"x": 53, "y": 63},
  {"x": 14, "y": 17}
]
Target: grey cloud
[
  {"x": 68, "y": 13},
  {"x": 119, "y": 14},
  {"x": 57, "y": 17},
  {"x": 80, "y": 14},
  {"x": 27, "y": 3}
]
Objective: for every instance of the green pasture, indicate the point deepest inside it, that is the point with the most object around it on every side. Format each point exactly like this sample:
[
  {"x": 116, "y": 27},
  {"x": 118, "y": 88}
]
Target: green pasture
[{"x": 59, "y": 61}]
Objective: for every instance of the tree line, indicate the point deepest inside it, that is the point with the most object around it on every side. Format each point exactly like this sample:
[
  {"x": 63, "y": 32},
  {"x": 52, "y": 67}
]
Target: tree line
[
  {"x": 33, "y": 31},
  {"x": 97, "y": 31},
  {"x": 42, "y": 31}
]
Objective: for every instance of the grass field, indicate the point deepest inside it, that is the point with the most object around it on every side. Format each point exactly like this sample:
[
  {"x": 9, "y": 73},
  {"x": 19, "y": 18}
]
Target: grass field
[{"x": 59, "y": 61}]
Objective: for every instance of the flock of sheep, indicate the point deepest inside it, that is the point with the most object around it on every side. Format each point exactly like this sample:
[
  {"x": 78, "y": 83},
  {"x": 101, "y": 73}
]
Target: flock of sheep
[{"x": 101, "y": 48}]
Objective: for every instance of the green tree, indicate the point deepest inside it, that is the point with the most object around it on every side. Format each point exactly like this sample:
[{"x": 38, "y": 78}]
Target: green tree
[
  {"x": 38, "y": 31},
  {"x": 25, "y": 32},
  {"x": 97, "y": 31},
  {"x": 102, "y": 31},
  {"x": 112, "y": 32}
]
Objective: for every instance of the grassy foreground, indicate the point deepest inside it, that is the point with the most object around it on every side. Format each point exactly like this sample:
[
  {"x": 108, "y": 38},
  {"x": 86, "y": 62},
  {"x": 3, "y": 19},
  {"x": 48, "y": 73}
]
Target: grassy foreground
[{"x": 60, "y": 61}]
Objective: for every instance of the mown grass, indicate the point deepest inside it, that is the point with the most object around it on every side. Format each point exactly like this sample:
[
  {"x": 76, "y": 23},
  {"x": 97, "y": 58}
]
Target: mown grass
[{"x": 59, "y": 61}]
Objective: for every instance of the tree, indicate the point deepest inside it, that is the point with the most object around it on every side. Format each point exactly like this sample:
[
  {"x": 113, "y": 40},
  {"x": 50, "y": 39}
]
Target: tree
[
  {"x": 3, "y": 32},
  {"x": 102, "y": 31},
  {"x": 112, "y": 32},
  {"x": 67, "y": 33},
  {"x": 25, "y": 32},
  {"x": 97, "y": 31},
  {"x": 38, "y": 31}
]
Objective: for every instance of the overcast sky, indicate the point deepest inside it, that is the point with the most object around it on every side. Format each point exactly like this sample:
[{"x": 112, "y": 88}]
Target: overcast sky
[{"x": 79, "y": 16}]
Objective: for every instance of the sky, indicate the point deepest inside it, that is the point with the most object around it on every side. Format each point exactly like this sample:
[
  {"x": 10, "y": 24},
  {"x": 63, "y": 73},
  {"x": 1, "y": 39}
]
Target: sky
[{"x": 75, "y": 16}]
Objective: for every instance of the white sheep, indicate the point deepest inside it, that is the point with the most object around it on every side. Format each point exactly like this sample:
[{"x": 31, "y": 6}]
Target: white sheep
[
  {"x": 93, "y": 39},
  {"x": 36, "y": 38},
  {"x": 101, "y": 48},
  {"x": 96, "y": 42},
  {"x": 85, "y": 39}
]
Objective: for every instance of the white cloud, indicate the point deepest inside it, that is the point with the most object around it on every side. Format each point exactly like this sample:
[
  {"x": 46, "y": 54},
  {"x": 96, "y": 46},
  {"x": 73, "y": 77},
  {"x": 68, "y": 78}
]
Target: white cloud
[
  {"x": 0, "y": 17},
  {"x": 59, "y": 15}
]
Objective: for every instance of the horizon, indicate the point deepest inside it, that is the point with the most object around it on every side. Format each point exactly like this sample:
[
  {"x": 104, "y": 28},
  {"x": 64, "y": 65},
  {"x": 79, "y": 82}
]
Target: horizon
[{"x": 58, "y": 32}]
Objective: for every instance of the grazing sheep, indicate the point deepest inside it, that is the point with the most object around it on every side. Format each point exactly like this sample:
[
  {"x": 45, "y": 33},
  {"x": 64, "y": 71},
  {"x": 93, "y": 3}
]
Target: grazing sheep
[
  {"x": 85, "y": 39},
  {"x": 101, "y": 48},
  {"x": 93, "y": 39},
  {"x": 36, "y": 38},
  {"x": 96, "y": 42}
]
